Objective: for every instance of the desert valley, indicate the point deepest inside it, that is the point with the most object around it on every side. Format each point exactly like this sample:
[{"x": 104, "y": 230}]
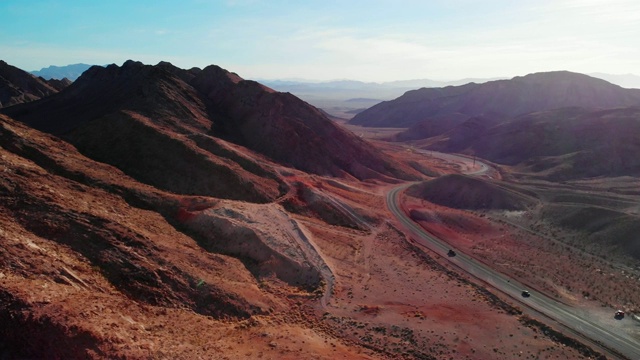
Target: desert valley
[{"x": 155, "y": 212}]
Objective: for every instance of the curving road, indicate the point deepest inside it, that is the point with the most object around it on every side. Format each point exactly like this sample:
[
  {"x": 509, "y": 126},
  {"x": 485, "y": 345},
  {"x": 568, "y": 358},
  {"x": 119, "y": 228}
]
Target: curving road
[{"x": 611, "y": 338}]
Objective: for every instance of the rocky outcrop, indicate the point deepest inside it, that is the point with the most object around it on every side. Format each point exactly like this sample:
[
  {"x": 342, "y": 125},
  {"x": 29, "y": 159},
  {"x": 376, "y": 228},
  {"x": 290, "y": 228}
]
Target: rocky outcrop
[{"x": 263, "y": 235}]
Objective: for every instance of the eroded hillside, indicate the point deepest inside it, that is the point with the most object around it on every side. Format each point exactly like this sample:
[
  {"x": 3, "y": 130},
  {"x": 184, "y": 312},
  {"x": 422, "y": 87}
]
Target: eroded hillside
[{"x": 149, "y": 221}]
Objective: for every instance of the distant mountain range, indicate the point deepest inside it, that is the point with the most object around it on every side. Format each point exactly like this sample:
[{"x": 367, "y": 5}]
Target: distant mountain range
[
  {"x": 74, "y": 71},
  {"x": 343, "y": 98},
  {"x": 629, "y": 81},
  {"x": 359, "y": 89},
  {"x": 520, "y": 95},
  {"x": 346, "y": 98},
  {"x": 352, "y": 89},
  {"x": 71, "y": 72}
]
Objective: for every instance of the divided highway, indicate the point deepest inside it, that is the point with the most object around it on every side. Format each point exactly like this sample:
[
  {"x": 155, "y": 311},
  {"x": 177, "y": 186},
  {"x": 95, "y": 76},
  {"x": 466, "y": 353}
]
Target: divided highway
[{"x": 569, "y": 317}]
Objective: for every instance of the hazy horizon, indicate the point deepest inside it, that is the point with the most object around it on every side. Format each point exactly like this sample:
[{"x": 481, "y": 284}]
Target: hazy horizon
[
  {"x": 374, "y": 41},
  {"x": 625, "y": 80}
]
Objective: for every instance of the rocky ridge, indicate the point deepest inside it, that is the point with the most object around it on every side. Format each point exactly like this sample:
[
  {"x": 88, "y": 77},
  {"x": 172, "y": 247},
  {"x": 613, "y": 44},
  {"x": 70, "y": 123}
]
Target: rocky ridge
[
  {"x": 18, "y": 86},
  {"x": 203, "y": 106}
]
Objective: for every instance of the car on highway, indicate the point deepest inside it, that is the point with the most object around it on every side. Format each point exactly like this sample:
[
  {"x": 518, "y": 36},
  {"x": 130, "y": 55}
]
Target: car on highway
[
  {"x": 619, "y": 314},
  {"x": 525, "y": 293},
  {"x": 451, "y": 253}
]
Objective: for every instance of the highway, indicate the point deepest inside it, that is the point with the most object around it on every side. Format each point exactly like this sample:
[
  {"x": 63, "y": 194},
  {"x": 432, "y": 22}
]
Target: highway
[{"x": 610, "y": 337}]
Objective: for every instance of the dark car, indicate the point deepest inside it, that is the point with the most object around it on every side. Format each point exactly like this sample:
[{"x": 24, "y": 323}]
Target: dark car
[
  {"x": 619, "y": 314},
  {"x": 451, "y": 253},
  {"x": 526, "y": 293}
]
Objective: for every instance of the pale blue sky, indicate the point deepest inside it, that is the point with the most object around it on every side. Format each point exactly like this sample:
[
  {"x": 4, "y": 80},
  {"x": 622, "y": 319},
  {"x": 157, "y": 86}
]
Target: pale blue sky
[{"x": 361, "y": 40}]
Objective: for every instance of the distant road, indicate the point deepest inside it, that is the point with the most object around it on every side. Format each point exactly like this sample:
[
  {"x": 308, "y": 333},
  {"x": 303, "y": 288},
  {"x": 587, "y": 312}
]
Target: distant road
[{"x": 611, "y": 338}]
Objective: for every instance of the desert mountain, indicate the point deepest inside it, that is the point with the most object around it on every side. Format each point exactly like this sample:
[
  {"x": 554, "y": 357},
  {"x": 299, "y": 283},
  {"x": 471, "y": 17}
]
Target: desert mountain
[
  {"x": 71, "y": 72},
  {"x": 150, "y": 213},
  {"x": 345, "y": 98},
  {"x": 125, "y": 115},
  {"x": 108, "y": 247},
  {"x": 18, "y": 86},
  {"x": 560, "y": 143},
  {"x": 520, "y": 95}
]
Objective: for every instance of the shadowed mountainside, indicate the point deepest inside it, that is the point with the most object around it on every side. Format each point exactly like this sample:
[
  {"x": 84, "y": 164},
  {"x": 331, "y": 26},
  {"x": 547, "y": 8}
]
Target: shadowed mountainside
[
  {"x": 558, "y": 144},
  {"x": 18, "y": 86},
  {"x": 107, "y": 110},
  {"x": 520, "y": 95}
]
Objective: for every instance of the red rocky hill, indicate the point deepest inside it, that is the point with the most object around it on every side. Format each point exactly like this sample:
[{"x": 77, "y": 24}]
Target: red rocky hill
[
  {"x": 120, "y": 115},
  {"x": 149, "y": 215}
]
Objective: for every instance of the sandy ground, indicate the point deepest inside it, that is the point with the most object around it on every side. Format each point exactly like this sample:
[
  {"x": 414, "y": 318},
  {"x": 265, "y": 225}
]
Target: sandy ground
[{"x": 391, "y": 296}]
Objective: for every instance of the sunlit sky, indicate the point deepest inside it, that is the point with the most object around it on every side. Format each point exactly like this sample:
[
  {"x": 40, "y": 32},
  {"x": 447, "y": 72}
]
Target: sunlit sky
[{"x": 365, "y": 40}]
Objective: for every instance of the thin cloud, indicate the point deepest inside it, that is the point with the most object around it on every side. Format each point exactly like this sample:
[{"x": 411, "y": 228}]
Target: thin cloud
[{"x": 372, "y": 41}]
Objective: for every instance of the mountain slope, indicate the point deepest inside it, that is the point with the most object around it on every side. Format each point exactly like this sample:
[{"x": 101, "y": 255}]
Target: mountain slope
[
  {"x": 65, "y": 223},
  {"x": 203, "y": 106},
  {"x": 288, "y": 130},
  {"x": 97, "y": 265},
  {"x": 520, "y": 95},
  {"x": 146, "y": 121},
  {"x": 559, "y": 144},
  {"x": 18, "y": 86}
]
